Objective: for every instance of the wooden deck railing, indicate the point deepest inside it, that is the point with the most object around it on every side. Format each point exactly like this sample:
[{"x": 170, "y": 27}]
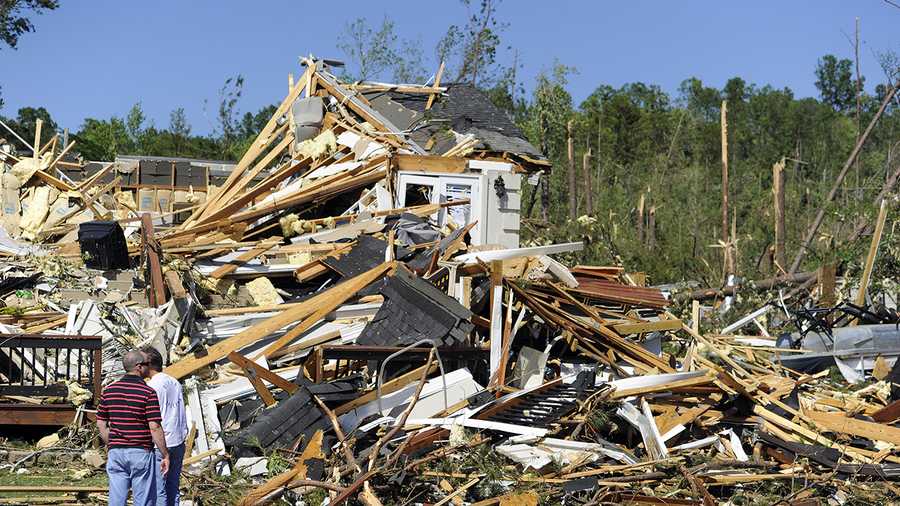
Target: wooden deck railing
[{"x": 37, "y": 365}]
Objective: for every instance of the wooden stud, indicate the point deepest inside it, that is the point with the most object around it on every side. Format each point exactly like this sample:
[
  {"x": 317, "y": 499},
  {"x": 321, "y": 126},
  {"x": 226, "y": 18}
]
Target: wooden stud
[
  {"x": 262, "y": 372},
  {"x": 243, "y": 258}
]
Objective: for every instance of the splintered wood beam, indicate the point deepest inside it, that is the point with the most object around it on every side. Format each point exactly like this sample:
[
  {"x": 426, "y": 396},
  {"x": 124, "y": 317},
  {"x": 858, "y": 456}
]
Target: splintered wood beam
[
  {"x": 646, "y": 326},
  {"x": 176, "y": 287},
  {"x": 189, "y": 442},
  {"x": 870, "y": 258},
  {"x": 338, "y": 295},
  {"x": 57, "y": 183},
  {"x": 887, "y": 414},
  {"x": 226, "y": 196},
  {"x": 243, "y": 258},
  {"x": 263, "y": 373},
  {"x": 89, "y": 182},
  {"x": 220, "y": 350},
  {"x": 840, "y": 423},
  {"x": 156, "y": 286},
  {"x": 35, "y": 148},
  {"x": 264, "y": 394},
  {"x": 437, "y": 82},
  {"x": 262, "y": 141}
]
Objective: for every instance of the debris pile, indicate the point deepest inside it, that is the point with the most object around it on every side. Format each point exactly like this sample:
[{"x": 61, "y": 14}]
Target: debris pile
[{"x": 352, "y": 317}]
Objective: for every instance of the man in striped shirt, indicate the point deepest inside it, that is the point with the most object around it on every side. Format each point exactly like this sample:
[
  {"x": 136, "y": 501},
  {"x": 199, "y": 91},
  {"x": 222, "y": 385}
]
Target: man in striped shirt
[{"x": 129, "y": 422}]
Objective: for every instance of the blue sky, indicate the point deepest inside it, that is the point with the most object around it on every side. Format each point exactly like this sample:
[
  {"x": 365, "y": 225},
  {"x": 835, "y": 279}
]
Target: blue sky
[{"x": 95, "y": 58}]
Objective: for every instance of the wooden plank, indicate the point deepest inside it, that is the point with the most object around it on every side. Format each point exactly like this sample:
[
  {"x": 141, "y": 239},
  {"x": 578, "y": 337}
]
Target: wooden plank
[
  {"x": 54, "y": 182},
  {"x": 888, "y": 414},
  {"x": 839, "y": 422},
  {"x": 243, "y": 258},
  {"x": 668, "y": 387},
  {"x": 426, "y": 163},
  {"x": 36, "y": 414},
  {"x": 156, "y": 287},
  {"x": 264, "y": 162},
  {"x": 249, "y": 336},
  {"x": 495, "y": 338},
  {"x": 647, "y": 326},
  {"x": 619, "y": 342},
  {"x": 251, "y": 375},
  {"x": 202, "y": 455},
  {"x": 337, "y": 296},
  {"x": 263, "y": 373},
  {"x": 176, "y": 288},
  {"x": 399, "y": 88},
  {"x": 812, "y": 436},
  {"x": 189, "y": 442},
  {"x": 37, "y": 139},
  {"x": 307, "y": 343},
  {"x": 437, "y": 82}
]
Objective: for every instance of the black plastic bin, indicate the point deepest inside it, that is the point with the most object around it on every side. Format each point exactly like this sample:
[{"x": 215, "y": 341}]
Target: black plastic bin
[{"x": 103, "y": 245}]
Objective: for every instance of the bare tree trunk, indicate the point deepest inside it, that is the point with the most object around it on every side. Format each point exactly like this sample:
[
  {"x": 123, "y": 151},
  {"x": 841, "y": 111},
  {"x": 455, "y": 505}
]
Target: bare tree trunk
[
  {"x": 573, "y": 188},
  {"x": 651, "y": 228},
  {"x": 545, "y": 198},
  {"x": 858, "y": 104},
  {"x": 734, "y": 243},
  {"x": 545, "y": 176},
  {"x": 599, "y": 161},
  {"x": 589, "y": 187},
  {"x": 778, "y": 197},
  {"x": 640, "y": 220},
  {"x": 726, "y": 250}
]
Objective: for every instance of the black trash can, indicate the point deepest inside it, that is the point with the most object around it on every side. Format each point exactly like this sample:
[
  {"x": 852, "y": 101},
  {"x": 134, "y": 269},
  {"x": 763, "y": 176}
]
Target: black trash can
[{"x": 103, "y": 245}]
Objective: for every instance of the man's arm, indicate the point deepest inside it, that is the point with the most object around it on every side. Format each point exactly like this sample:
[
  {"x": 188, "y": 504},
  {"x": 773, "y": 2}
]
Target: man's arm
[
  {"x": 104, "y": 430},
  {"x": 159, "y": 439}
]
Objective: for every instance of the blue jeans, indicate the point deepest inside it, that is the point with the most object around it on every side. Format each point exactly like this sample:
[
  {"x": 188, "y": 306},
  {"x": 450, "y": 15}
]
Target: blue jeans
[
  {"x": 168, "y": 485},
  {"x": 131, "y": 468}
]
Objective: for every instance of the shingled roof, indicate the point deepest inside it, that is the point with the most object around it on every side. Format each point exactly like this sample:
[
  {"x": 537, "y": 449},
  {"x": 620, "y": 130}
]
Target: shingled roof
[{"x": 462, "y": 110}]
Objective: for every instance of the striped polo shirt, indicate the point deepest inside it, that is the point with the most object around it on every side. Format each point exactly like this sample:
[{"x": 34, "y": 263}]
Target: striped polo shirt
[{"x": 127, "y": 406}]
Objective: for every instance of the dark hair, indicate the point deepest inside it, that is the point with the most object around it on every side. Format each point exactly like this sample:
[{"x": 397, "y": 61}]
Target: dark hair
[{"x": 154, "y": 359}]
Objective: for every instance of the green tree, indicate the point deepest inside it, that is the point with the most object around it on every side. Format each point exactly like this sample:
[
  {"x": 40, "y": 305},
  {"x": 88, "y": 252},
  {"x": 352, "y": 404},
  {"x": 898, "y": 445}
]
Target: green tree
[
  {"x": 25, "y": 124},
  {"x": 180, "y": 130},
  {"x": 371, "y": 51},
  {"x": 135, "y": 125},
  {"x": 14, "y": 21},
  {"x": 408, "y": 66},
  {"x": 834, "y": 79},
  {"x": 472, "y": 50},
  {"x": 102, "y": 140},
  {"x": 229, "y": 95}
]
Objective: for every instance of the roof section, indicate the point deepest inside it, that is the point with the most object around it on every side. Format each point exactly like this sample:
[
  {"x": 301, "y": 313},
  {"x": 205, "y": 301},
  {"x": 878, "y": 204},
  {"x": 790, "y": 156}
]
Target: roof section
[{"x": 462, "y": 110}]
